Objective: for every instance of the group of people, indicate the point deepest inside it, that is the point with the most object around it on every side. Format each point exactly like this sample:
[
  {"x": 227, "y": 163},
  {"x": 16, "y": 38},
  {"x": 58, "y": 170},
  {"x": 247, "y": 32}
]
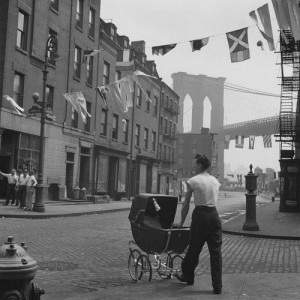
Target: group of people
[{"x": 20, "y": 188}]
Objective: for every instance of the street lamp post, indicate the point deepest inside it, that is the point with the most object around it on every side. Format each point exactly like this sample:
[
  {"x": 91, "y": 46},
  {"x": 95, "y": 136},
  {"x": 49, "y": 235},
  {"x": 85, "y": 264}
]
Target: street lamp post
[{"x": 51, "y": 48}]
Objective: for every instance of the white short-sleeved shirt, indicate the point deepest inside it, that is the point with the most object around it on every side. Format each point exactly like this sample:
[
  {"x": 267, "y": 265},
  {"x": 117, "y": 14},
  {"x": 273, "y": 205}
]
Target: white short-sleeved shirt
[{"x": 205, "y": 188}]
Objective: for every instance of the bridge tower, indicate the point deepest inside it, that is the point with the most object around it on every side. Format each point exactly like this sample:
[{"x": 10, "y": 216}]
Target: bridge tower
[{"x": 200, "y": 87}]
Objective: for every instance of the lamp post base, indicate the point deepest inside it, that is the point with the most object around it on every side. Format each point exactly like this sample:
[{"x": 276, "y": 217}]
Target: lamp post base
[
  {"x": 251, "y": 227},
  {"x": 40, "y": 190}
]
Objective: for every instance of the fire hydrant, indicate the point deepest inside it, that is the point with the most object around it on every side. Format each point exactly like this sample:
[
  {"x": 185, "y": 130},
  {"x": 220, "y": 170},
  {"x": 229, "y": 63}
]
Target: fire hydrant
[{"x": 17, "y": 270}]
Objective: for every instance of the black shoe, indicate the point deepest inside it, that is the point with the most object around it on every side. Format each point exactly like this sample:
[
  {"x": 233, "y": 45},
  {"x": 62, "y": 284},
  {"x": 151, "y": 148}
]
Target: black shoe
[
  {"x": 182, "y": 278},
  {"x": 217, "y": 291}
]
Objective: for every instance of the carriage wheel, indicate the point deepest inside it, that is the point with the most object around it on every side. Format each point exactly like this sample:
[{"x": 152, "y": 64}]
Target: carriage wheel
[
  {"x": 132, "y": 260},
  {"x": 166, "y": 273},
  {"x": 176, "y": 262},
  {"x": 143, "y": 267}
]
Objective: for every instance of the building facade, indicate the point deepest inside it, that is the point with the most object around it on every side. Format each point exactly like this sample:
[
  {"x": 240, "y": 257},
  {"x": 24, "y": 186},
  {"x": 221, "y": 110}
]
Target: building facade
[{"x": 114, "y": 152}]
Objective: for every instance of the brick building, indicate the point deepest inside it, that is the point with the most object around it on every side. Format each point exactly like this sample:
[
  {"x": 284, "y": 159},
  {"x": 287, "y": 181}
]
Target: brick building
[{"x": 96, "y": 154}]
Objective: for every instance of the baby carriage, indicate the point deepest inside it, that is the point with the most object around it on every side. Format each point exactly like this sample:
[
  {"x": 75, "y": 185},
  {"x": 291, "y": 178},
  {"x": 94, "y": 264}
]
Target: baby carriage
[{"x": 158, "y": 244}]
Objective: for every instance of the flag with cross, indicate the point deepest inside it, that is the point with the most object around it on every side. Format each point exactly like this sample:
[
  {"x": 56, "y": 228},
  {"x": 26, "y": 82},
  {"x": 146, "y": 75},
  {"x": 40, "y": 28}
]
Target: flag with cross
[{"x": 238, "y": 45}]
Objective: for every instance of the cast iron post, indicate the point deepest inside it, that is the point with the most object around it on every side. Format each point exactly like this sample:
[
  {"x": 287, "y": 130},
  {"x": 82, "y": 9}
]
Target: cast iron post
[{"x": 250, "y": 223}]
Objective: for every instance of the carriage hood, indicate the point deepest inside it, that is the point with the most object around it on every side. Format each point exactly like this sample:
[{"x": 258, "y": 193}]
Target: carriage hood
[{"x": 154, "y": 205}]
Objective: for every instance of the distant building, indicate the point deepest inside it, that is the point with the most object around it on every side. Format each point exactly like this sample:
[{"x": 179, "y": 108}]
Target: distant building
[{"x": 188, "y": 145}]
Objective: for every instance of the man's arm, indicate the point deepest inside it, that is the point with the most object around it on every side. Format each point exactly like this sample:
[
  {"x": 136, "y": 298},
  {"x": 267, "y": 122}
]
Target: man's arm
[{"x": 185, "y": 205}]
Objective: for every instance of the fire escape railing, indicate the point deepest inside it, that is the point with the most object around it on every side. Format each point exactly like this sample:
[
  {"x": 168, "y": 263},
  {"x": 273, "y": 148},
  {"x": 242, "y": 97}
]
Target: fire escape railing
[{"x": 289, "y": 51}]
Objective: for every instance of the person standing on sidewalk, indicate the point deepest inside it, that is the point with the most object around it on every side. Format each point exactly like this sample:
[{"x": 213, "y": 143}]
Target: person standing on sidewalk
[
  {"x": 31, "y": 183},
  {"x": 22, "y": 188},
  {"x": 11, "y": 186},
  {"x": 206, "y": 225}
]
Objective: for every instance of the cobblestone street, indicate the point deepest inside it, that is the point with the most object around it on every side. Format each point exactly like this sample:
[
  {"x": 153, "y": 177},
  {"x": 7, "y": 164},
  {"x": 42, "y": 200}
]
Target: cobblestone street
[{"x": 80, "y": 255}]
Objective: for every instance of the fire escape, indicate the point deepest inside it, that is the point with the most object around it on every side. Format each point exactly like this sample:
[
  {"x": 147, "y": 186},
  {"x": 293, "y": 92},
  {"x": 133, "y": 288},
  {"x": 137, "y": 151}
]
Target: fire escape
[{"x": 289, "y": 50}]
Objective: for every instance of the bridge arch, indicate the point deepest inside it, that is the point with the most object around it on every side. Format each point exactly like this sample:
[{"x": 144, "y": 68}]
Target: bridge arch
[{"x": 200, "y": 87}]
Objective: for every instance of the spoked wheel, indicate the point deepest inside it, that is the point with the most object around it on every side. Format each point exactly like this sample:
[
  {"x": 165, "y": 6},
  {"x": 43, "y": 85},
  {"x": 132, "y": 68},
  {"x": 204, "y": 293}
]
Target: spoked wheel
[
  {"x": 166, "y": 272},
  {"x": 143, "y": 267},
  {"x": 176, "y": 263},
  {"x": 132, "y": 260}
]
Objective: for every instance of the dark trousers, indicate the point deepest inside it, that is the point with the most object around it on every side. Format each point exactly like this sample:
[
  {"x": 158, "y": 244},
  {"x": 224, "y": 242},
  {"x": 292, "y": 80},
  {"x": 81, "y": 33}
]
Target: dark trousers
[
  {"x": 22, "y": 195},
  {"x": 11, "y": 193},
  {"x": 206, "y": 227}
]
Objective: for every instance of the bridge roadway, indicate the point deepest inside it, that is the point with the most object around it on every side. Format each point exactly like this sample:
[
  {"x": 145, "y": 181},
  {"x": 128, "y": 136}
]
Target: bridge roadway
[{"x": 256, "y": 127}]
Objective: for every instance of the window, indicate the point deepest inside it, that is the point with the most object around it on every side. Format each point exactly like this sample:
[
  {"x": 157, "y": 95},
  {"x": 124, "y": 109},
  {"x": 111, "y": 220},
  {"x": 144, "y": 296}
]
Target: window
[
  {"x": 117, "y": 75},
  {"x": 167, "y": 102},
  {"x": 139, "y": 97},
  {"x": 170, "y": 128},
  {"x": 153, "y": 141},
  {"x": 77, "y": 62},
  {"x": 74, "y": 118},
  {"x": 22, "y": 31},
  {"x": 106, "y": 71},
  {"x": 165, "y": 152},
  {"x": 87, "y": 126},
  {"x": 28, "y": 152},
  {"x": 155, "y": 105},
  {"x": 137, "y": 135},
  {"x": 161, "y": 124},
  {"x": 169, "y": 153},
  {"x": 148, "y": 101},
  {"x": 79, "y": 13},
  {"x": 146, "y": 136},
  {"x": 51, "y": 54},
  {"x": 112, "y": 33},
  {"x": 125, "y": 131},
  {"x": 162, "y": 99},
  {"x": 18, "y": 89},
  {"x": 54, "y": 4},
  {"x": 103, "y": 125},
  {"x": 160, "y": 150},
  {"x": 49, "y": 96},
  {"x": 92, "y": 22},
  {"x": 115, "y": 125},
  {"x": 166, "y": 126},
  {"x": 89, "y": 70}
]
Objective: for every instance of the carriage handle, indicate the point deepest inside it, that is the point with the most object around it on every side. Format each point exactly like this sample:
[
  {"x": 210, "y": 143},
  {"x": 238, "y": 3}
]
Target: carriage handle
[{"x": 138, "y": 215}]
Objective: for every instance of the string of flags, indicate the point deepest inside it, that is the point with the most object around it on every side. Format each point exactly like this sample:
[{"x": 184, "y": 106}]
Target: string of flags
[
  {"x": 288, "y": 17},
  {"x": 240, "y": 139}
]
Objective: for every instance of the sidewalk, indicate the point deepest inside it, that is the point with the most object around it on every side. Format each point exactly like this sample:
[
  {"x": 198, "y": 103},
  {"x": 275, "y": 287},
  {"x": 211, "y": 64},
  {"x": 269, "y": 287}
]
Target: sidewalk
[{"x": 271, "y": 222}]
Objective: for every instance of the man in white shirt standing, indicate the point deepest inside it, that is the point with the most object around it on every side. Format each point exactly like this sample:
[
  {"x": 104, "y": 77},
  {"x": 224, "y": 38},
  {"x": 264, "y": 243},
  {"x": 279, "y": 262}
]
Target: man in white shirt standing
[
  {"x": 206, "y": 225},
  {"x": 11, "y": 186},
  {"x": 31, "y": 183}
]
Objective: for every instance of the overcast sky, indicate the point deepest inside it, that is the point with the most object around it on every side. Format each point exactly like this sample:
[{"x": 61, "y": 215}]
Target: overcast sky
[{"x": 161, "y": 22}]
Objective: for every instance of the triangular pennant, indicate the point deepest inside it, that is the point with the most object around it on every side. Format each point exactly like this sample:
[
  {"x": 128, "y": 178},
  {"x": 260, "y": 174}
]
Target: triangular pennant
[
  {"x": 238, "y": 45},
  {"x": 14, "y": 104},
  {"x": 267, "y": 139},
  {"x": 251, "y": 141},
  {"x": 88, "y": 53},
  {"x": 239, "y": 141},
  {"x": 78, "y": 102},
  {"x": 198, "y": 44},
  {"x": 103, "y": 94},
  {"x": 226, "y": 141},
  {"x": 264, "y": 15},
  {"x": 163, "y": 49}
]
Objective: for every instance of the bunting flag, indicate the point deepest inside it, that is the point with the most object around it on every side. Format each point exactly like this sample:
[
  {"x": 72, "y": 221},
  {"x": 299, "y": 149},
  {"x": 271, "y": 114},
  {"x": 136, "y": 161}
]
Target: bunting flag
[
  {"x": 78, "y": 102},
  {"x": 251, "y": 141},
  {"x": 14, "y": 104},
  {"x": 163, "y": 49},
  {"x": 227, "y": 141},
  {"x": 88, "y": 53},
  {"x": 264, "y": 15},
  {"x": 198, "y": 44},
  {"x": 239, "y": 141},
  {"x": 238, "y": 45},
  {"x": 265, "y": 18},
  {"x": 267, "y": 140},
  {"x": 102, "y": 90},
  {"x": 288, "y": 16}
]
